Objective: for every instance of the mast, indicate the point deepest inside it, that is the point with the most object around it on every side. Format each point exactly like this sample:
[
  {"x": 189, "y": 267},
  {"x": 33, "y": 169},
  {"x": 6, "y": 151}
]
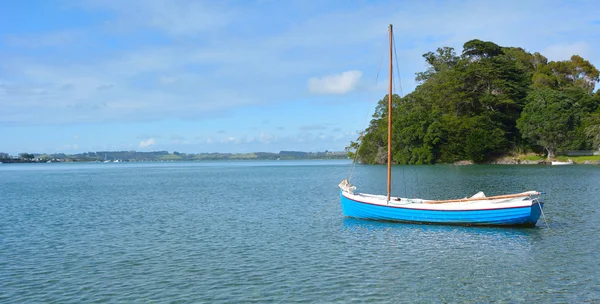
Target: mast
[{"x": 389, "y": 148}]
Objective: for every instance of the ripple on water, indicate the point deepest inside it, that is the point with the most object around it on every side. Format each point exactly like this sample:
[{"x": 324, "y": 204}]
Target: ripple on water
[{"x": 275, "y": 233}]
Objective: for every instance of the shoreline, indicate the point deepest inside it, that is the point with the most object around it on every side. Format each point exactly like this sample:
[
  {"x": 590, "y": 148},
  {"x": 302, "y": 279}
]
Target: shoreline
[{"x": 519, "y": 161}]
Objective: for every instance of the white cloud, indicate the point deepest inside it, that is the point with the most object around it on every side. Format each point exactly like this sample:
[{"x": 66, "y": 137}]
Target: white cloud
[
  {"x": 267, "y": 138},
  {"x": 147, "y": 143},
  {"x": 335, "y": 84},
  {"x": 166, "y": 80},
  {"x": 183, "y": 79},
  {"x": 174, "y": 17},
  {"x": 565, "y": 51},
  {"x": 229, "y": 140}
]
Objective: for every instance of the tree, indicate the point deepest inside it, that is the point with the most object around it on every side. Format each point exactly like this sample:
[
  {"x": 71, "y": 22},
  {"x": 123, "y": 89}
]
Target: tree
[
  {"x": 487, "y": 102},
  {"x": 484, "y": 139},
  {"x": 476, "y": 49},
  {"x": 26, "y": 156},
  {"x": 445, "y": 59},
  {"x": 549, "y": 119},
  {"x": 373, "y": 145},
  {"x": 416, "y": 137},
  {"x": 576, "y": 72},
  {"x": 593, "y": 129}
]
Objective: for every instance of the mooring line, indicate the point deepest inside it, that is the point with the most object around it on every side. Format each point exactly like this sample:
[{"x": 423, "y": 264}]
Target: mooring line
[
  {"x": 543, "y": 216},
  {"x": 326, "y": 207}
]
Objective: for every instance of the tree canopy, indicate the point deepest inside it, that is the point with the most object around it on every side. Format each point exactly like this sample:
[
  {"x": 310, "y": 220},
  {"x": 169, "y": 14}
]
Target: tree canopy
[{"x": 485, "y": 103}]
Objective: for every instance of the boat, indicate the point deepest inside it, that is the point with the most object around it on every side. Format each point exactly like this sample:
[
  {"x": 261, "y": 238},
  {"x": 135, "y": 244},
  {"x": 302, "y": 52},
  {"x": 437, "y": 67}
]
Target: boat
[
  {"x": 520, "y": 209},
  {"x": 562, "y": 163}
]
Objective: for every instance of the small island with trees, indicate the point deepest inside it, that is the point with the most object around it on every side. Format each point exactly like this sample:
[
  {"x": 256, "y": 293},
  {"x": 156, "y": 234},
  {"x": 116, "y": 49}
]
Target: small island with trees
[{"x": 488, "y": 104}]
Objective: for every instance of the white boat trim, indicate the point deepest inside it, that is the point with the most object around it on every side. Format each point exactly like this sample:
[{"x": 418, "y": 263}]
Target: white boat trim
[{"x": 415, "y": 203}]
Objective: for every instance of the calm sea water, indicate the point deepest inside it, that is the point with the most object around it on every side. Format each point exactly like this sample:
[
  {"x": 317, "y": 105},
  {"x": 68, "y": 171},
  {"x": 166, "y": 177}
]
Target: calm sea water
[{"x": 274, "y": 232}]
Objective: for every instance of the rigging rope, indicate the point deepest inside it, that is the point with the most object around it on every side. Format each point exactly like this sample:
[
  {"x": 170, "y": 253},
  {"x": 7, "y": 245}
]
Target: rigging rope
[
  {"x": 397, "y": 67},
  {"x": 401, "y": 94},
  {"x": 351, "y": 170}
]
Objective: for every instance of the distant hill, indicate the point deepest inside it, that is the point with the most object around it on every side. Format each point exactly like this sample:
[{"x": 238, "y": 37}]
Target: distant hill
[{"x": 135, "y": 156}]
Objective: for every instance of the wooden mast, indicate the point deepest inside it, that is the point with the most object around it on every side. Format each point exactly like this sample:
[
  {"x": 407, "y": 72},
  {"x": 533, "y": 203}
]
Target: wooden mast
[{"x": 389, "y": 147}]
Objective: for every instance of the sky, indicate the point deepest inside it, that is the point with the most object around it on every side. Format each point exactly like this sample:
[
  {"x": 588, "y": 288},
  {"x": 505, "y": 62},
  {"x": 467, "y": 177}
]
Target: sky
[{"x": 239, "y": 76}]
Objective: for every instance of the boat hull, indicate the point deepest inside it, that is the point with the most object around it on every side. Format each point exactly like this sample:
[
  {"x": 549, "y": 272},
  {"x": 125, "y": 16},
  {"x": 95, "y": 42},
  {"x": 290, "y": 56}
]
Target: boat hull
[{"x": 526, "y": 216}]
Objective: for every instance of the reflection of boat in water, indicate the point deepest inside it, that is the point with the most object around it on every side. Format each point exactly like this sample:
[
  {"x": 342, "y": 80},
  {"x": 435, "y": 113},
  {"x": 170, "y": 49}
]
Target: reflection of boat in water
[
  {"x": 430, "y": 237},
  {"x": 562, "y": 163}
]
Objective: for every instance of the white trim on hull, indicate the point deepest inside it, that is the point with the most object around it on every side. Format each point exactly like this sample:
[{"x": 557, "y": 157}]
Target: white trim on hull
[{"x": 466, "y": 204}]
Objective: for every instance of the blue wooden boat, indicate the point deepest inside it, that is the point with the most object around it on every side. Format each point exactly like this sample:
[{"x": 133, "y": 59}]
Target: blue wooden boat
[{"x": 521, "y": 209}]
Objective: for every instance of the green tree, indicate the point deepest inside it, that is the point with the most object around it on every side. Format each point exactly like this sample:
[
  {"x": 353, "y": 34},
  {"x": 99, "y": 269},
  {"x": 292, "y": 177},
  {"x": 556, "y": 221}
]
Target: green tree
[
  {"x": 416, "y": 138},
  {"x": 476, "y": 49},
  {"x": 549, "y": 119},
  {"x": 485, "y": 103},
  {"x": 443, "y": 60},
  {"x": 576, "y": 72},
  {"x": 372, "y": 148},
  {"x": 592, "y": 130},
  {"x": 26, "y": 156}
]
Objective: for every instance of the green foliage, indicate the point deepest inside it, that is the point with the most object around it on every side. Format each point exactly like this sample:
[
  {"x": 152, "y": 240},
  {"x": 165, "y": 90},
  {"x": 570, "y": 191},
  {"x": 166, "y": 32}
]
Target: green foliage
[
  {"x": 484, "y": 139},
  {"x": 592, "y": 129},
  {"x": 576, "y": 72},
  {"x": 478, "y": 49},
  {"x": 171, "y": 157},
  {"x": 550, "y": 119},
  {"x": 27, "y": 156},
  {"x": 484, "y": 104},
  {"x": 445, "y": 59}
]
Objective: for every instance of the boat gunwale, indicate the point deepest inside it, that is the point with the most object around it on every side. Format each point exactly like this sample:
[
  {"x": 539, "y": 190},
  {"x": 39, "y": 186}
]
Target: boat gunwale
[{"x": 535, "y": 201}]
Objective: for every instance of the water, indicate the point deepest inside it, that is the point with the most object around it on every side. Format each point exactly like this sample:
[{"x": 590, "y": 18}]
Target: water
[{"x": 274, "y": 232}]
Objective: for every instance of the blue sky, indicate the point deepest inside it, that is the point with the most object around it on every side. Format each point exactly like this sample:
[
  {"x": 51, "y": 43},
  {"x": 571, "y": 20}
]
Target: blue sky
[{"x": 238, "y": 76}]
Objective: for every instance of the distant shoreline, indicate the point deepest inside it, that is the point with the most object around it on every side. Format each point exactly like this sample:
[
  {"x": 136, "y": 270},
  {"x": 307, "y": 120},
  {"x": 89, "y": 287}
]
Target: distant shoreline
[
  {"x": 167, "y": 161},
  {"x": 163, "y": 156}
]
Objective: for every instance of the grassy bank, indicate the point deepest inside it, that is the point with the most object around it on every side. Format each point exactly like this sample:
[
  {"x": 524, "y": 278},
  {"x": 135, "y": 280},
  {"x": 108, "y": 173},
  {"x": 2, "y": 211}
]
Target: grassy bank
[
  {"x": 576, "y": 159},
  {"x": 579, "y": 159}
]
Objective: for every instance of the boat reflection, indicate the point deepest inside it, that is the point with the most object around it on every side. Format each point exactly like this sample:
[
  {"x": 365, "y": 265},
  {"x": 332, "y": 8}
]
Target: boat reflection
[{"x": 441, "y": 236}]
